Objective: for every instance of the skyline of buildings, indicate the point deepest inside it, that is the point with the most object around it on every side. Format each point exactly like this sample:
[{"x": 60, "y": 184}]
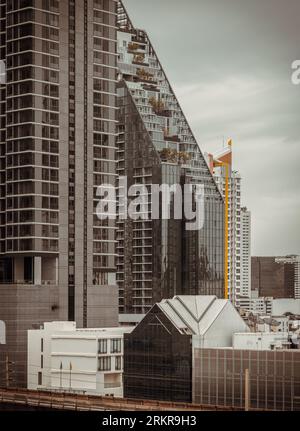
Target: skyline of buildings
[{"x": 86, "y": 101}]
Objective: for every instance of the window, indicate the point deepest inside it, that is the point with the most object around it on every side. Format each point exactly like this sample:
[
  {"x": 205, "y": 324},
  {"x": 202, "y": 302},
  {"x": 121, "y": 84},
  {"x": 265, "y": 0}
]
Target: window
[
  {"x": 40, "y": 378},
  {"x": 118, "y": 363},
  {"x": 104, "y": 364},
  {"x": 115, "y": 345},
  {"x": 42, "y": 344},
  {"x": 42, "y": 361},
  {"x": 102, "y": 346}
]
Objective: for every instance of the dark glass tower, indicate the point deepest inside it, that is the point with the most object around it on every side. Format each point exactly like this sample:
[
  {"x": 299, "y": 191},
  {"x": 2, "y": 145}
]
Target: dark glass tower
[{"x": 158, "y": 258}]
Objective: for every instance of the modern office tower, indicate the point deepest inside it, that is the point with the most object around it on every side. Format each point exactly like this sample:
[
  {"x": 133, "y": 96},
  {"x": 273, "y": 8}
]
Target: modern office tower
[
  {"x": 277, "y": 277},
  {"x": 58, "y": 125},
  {"x": 158, "y": 258}
]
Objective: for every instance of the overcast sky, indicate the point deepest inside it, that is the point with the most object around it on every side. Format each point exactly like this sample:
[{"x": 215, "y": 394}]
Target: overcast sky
[{"x": 229, "y": 62}]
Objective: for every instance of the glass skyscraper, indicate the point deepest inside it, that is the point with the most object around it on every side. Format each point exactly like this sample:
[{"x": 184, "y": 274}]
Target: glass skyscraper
[{"x": 155, "y": 145}]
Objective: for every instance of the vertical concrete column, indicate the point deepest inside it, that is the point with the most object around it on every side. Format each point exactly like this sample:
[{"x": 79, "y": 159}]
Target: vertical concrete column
[{"x": 37, "y": 270}]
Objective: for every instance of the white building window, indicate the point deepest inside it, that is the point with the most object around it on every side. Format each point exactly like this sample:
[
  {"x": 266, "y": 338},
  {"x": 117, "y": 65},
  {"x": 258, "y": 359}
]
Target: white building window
[
  {"x": 40, "y": 378},
  {"x": 115, "y": 345},
  {"x": 102, "y": 346},
  {"x": 118, "y": 363},
  {"x": 104, "y": 364}
]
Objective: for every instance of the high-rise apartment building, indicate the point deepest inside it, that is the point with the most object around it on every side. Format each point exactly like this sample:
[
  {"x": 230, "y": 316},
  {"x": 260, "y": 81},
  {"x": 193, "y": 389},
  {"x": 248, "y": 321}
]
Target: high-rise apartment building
[
  {"x": 238, "y": 226},
  {"x": 57, "y": 144},
  {"x": 245, "y": 259},
  {"x": 158, "y": 258}
]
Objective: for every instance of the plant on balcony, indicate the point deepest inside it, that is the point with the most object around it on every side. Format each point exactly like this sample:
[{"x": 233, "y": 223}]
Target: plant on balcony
[
  {"x": 139, "y": 58},
  {"x": 168, "y": 155},
  {"x": 133, "y": 46},
  {"x": 143, "y": 74},
  {"x": 183, "y": 157},
  {"x": 174, "y": 156},
  {"x": 158, "y": 106}
]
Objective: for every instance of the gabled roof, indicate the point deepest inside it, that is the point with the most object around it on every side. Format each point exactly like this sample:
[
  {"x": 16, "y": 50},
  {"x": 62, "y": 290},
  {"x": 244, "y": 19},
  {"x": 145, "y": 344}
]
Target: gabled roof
[{"x": 193, "y": 314}]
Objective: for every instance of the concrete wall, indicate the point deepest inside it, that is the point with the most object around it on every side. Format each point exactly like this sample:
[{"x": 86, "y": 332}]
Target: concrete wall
[
  {"x": 259, "y": 340},
  {"x": 220, "y": 333}
]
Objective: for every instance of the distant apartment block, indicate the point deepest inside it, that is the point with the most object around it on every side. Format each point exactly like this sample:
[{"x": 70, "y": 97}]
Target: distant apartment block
[
  {"x": 245, "y": 258},
  {"x": 62, "y": 357},
  {"x": 57, "y": 144},
  {"x": 277, "y": 277},
  {"x": 238, "y": 224}
]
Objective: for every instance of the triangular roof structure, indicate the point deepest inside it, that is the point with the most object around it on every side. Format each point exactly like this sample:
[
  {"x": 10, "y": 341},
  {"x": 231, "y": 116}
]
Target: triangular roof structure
[{"x": 193, "y": 314}]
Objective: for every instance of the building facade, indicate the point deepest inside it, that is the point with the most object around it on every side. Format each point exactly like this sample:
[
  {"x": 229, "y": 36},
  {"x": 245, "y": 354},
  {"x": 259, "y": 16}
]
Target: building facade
[
  {"x": 245, "y": 259},
  {"x": 62, "y": 357},
  {"x": 238, "y": 225},
  {"x": 158, "y": 258},
  {"x": 277, "y": 277},
  {"x": 219, "y": 377},
  {"x": 197, "y": 349},
  {"x": 57, "y": 144},
  {"x": 158, "y": 353}
]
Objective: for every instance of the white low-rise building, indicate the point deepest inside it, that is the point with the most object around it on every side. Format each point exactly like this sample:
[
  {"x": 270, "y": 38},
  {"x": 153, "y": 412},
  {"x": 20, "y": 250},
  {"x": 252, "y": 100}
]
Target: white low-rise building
[{"x": 63, "y": 357}]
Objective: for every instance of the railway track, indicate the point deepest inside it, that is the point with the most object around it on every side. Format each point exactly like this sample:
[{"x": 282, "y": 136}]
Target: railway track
[{"x": 79, "y": 402}]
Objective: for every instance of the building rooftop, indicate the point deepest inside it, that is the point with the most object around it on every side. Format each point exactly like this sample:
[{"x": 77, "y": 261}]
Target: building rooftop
[{"x": 193, "y": 314}]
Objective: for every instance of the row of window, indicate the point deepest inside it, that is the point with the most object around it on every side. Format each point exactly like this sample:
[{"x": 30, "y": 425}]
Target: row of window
[
  {"x": 28, "y": 173},
  {"x": 33, "y": 30},
  {"x": 51, "y": 5},
  {"x": 115, "y": 345},
  {"x": 37, "y": 130},
  {"x": 23, "y": 59},
  {"x": 104, "y": 364},
  {"x": 30, "y": 116},
  {"x": 30, "y": 202},
  {"x": 32, "y": 72},
  {"x": 29, "y": 187},
  {"x": 30, "y": 216},
  {"x": 25, "y": 15},
  {"x": 31, "y": 144},
  {"x": 31, "y": 244},
  {"x": 38, "y": 88},
  {"x": 32, "y": 44},
  {"x": 29, "y": 230}
]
